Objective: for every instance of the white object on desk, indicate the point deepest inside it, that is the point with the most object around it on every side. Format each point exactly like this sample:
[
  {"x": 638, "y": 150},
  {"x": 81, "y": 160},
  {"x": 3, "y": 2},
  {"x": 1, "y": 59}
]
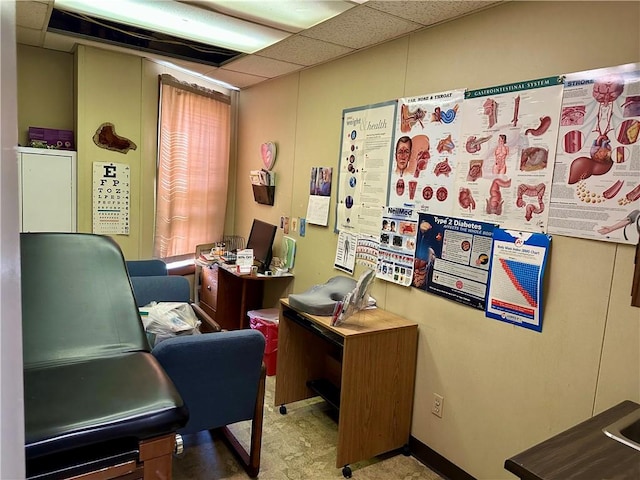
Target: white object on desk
[{"x": 244, "y": 260}]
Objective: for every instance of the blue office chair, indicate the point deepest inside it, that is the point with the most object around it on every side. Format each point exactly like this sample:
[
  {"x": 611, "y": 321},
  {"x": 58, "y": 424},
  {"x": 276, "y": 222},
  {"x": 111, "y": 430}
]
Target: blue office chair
[{"x": 220, "y": 376}]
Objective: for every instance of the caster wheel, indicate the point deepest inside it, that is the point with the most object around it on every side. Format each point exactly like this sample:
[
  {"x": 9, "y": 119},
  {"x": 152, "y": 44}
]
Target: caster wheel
[
  {"x": 283, "y": 410},
  {"x": 346, "y": 471},
  {"x": 406, "y": 451}
]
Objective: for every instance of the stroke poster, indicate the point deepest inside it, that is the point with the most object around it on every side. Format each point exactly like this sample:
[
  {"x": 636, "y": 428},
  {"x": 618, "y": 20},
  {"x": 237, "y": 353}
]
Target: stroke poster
[
  {"x": 518, "y": 263},
  {"x": 452, "y": 258},
  {"x": 596, "y": 184}
]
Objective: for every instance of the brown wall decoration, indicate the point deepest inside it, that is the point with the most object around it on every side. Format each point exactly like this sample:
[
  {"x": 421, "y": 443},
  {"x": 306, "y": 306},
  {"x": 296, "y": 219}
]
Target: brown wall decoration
[{"x": 106, "y": 137}]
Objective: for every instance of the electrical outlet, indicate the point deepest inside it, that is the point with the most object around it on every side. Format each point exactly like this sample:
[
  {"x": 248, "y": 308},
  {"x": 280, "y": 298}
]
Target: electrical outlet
[{"x": 438, "y": 404}]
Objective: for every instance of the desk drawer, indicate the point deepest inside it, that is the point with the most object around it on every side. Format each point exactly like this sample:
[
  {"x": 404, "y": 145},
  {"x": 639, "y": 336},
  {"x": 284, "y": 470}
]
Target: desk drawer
[
  {"x": 307, "y": 324},
  {"x": 209, "y": 286}
]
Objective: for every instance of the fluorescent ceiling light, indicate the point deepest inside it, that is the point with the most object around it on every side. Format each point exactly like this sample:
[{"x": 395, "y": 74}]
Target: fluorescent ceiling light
[
  {"x": 290, "y": 15},
  {"x": 226, "y": 85},
  {"x": 180, "y": 20}
]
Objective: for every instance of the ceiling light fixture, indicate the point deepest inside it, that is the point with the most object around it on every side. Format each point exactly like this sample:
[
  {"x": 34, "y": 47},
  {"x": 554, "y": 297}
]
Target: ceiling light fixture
[
  {"x": 226, "y": 85},
  {"x": 180, "y": 20},
  {"x": 290, "y": 15}
]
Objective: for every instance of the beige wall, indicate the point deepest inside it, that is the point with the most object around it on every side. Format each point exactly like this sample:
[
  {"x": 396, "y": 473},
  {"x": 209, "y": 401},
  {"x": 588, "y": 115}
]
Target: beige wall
[
  {"x": 505, "y": 388},
  {"x": 83, "y": 90},
  {"x": 45, "y": 90}
]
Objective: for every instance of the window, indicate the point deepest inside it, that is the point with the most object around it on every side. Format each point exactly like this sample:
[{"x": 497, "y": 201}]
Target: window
[{"x": 193, "y": 164}]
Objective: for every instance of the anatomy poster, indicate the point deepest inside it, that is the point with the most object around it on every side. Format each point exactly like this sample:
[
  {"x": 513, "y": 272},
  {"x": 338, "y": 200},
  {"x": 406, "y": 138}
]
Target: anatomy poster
[
  {"x": 452, "y": 258},
  {"x": 596, "y": 185},
  {"x": 346, "y": 252},
  {"x": 365, "y": 152},
  {"x": 517, "y": 270},
  {"x": 111, "y": 189},
  {"x": 426, "y": 141},
  {"x": 397, "y": 231},
  {"x": 505, "y": 167}
]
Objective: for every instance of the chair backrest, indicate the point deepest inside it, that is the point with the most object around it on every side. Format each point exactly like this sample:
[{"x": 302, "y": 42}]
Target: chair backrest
[
  {"x": 77, "y": 300},
  {"x": 146, "y": 268},
  {"x": 170, "y": 288}
]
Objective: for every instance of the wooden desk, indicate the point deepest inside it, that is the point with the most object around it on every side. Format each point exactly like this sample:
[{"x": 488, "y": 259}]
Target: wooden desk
[
  {"x": 583, "y": 452},
  {"x": 365, "y": 368},
  {"x": 227, "y": 297}
]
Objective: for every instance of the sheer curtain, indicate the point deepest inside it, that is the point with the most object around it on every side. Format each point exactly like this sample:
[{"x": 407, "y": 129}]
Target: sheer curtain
[{"x": 193, "y": 165}]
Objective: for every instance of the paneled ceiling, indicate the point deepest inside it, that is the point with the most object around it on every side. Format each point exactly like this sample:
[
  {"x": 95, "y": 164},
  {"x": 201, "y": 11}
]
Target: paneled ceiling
[{"x": 366, "y": 24}]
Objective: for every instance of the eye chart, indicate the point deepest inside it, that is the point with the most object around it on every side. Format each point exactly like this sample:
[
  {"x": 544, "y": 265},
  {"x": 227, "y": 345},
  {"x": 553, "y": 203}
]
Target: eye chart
[{"x": 111, "y": 189}]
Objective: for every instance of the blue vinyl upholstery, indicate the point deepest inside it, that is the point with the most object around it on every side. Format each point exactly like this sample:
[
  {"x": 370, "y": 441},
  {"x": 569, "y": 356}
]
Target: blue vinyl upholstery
[
  {"x": 89, "y": 377},
  {"x": 220, "y": 375},
  {"x": 146, "y": 268}
]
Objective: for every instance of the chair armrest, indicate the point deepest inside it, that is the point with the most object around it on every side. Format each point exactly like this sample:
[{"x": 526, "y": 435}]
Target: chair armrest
[
  {"x": 216, "y": 374},
  {"x": 211, "y": 324}
]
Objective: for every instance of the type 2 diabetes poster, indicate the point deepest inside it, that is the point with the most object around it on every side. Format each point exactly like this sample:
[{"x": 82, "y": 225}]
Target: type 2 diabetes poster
[{"x": 452, "y": 258}]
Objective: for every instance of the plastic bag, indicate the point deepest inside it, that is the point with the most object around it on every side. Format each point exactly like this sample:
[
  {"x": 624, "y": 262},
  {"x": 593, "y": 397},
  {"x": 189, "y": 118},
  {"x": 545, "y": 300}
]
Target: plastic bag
[{"x": 169, "y": 319}]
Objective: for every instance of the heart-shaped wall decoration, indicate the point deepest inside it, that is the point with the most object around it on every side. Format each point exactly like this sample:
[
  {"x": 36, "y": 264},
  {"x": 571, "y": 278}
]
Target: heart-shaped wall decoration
[{"x": 268, "y": 154}]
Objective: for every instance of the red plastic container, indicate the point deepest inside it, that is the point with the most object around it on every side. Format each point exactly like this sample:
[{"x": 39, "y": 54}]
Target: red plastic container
[{"x": 266, "y": 322}]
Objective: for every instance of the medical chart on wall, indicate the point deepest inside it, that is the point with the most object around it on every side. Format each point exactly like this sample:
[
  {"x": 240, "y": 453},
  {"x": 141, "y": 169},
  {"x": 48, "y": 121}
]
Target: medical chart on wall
[
  {"x": 518, "y": 263},
  {"x": 452, "y": 258},
  {"x": 346, "y": 252},
  {"x": 426, "y": 141},
  {"x": 505, "y": 166},
  {"x": 397, "y": 231},
  {"x": 596, "y": 184},
  {"x": 367, "y": 251},
  {"x": 365, "y": 152},
  {"x": 111, "y": 197}
]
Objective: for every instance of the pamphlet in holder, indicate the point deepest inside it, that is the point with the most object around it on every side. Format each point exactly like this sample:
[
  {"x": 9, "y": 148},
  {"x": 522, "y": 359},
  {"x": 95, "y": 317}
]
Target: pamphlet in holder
[
  {"x": 244, "y": 261},
  {"x": 355, "y": 300},
  {"x": 264, "y": 194}
]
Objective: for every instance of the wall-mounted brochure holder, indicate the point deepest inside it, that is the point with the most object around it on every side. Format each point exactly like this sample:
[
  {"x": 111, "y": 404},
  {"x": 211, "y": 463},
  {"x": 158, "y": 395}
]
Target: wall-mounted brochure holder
[{"x": 264, "y": 194}]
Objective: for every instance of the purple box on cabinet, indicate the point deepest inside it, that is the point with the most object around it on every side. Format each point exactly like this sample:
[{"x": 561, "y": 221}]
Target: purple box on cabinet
[{"x": 51, "y": 138}]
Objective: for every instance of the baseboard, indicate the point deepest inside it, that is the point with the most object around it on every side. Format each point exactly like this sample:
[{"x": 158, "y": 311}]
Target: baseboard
[{"x": 437, "y": 462}]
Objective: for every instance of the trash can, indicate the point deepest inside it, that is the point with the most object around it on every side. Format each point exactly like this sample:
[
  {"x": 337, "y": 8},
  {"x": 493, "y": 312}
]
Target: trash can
[{"x": 266, "y": 321}]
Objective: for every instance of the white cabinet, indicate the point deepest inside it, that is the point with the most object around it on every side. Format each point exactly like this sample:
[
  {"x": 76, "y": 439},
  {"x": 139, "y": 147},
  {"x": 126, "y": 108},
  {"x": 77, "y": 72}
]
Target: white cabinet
[{"x": 47, "y": 190}]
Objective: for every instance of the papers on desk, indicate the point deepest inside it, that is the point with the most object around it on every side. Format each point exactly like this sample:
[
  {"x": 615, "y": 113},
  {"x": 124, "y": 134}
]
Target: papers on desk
[{"x": 206, "y": 259}]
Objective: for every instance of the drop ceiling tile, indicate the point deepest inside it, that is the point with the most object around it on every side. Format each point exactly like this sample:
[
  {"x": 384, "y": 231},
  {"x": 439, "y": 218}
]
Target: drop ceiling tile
[
  {"x": 361, "y": 27},
  {"x": 304, "y": 50},
  {"x": 240, "y": 80},
  {"x": 28, "y": 36},
  {"x": 63, "y": 43},
  {"x": 31, "y": 14},
  {"x": 200, "y": 68},
  {"x": 265, "y": 67},
  {"x": 430, "y": 12}
]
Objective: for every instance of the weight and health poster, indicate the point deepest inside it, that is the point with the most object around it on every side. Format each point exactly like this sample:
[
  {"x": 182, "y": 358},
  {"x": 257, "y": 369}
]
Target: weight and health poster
[{"x": 365, "y": 152}]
